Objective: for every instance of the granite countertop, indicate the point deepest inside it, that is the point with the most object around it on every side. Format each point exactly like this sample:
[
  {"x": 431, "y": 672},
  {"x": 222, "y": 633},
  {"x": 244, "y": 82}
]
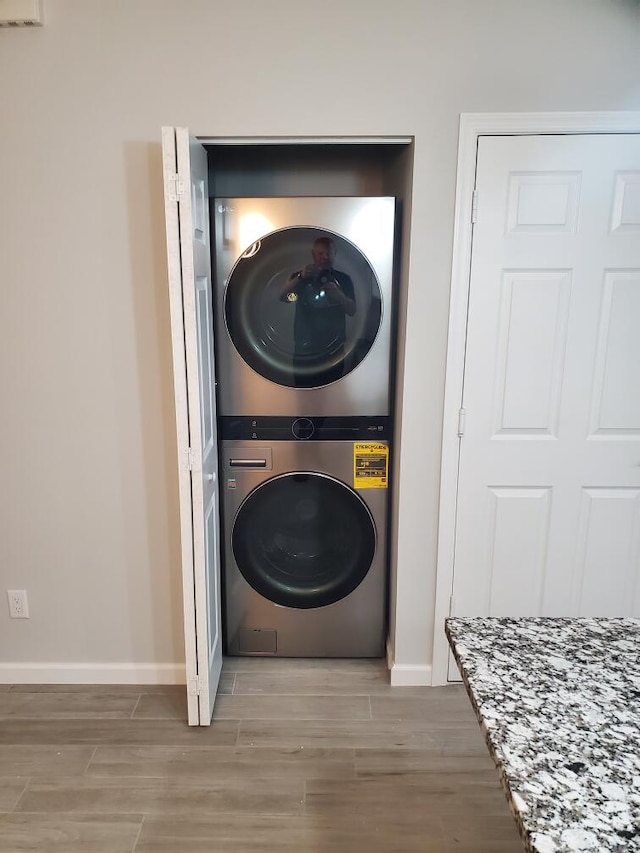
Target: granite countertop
[{"x": 559, "y": 703}]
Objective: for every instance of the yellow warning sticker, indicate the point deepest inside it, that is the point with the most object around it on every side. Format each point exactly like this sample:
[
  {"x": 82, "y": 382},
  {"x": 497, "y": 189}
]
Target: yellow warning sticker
[{"x": 370, "y": 465}]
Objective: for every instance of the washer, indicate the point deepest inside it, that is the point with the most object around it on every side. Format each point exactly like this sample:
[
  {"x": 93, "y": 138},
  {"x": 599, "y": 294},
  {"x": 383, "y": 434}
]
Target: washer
[
  {"x": 303, "y": 292},
  {"x": 305, "y": 535}
]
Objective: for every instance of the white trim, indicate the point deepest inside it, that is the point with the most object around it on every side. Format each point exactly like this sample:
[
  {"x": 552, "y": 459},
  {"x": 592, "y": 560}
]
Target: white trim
[
  {"x": 92, "y": 673},
  {"x": 411, "y": 675},
  {"x": 473, "y": 125},
  {"x": 305, "y": 140}
]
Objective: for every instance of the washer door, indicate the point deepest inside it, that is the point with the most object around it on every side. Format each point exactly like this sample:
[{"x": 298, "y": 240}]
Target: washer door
[
  {"x": 303, "y": 540},
  {"x": 303, "y": 307}
]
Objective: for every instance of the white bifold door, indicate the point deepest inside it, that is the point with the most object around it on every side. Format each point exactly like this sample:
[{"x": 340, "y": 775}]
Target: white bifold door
[
  {"x": 189, "y": 260},
  {"x": 548, "y": 510}
]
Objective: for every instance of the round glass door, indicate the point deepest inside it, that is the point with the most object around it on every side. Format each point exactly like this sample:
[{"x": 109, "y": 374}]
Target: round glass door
[
  {"x": 303, "y": 307},
  {"x": 303, "y": 540}
]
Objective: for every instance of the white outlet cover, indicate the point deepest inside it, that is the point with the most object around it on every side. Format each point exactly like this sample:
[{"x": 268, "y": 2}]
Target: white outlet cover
[
  {"x": 18, "y": 603},
  {"x": 21, "y": 12}
]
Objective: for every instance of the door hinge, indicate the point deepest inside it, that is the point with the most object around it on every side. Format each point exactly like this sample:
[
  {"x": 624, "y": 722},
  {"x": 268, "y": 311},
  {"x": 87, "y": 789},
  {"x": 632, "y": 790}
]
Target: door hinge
[
  {"x": 474, "y": 207},
  {"x": 193, "y": 464},
  {"x": 462, "y": 419},
  {"x": 451, "y": 607},
  {"x": 196, "y": 686},
  {"x": 175, "y": 187}
]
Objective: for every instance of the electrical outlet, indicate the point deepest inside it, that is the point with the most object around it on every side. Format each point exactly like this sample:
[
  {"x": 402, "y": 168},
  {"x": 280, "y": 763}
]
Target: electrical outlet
[{"x": 18, "y": 604}]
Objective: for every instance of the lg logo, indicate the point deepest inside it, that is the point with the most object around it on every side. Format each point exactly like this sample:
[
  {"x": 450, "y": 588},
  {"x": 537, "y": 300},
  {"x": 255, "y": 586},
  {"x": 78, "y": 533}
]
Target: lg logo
[{"x": 225, "y": 208}]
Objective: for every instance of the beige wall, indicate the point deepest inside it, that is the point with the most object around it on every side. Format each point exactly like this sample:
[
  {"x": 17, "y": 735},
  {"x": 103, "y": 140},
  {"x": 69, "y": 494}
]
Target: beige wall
[{"x": 89, "y": 500}]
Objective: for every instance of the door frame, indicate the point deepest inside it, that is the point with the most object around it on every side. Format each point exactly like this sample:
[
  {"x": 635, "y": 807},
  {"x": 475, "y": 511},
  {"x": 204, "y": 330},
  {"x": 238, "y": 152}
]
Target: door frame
[{"x": 472, "y": 126}]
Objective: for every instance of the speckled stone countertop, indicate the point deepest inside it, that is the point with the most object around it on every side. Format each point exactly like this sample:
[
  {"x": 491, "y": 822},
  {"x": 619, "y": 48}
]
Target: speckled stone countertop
[{"x": 559, "y": 703}]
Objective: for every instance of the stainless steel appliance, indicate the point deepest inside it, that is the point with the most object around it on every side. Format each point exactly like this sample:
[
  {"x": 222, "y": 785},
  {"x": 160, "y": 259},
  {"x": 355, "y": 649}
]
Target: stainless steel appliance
[
  {"x": 304, "y": 506},
  {"x": 303, "y": 305}
]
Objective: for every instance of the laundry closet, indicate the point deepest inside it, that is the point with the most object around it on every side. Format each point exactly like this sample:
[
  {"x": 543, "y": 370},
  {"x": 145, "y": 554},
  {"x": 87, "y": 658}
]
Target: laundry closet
[{"x": 284, "y": 270}]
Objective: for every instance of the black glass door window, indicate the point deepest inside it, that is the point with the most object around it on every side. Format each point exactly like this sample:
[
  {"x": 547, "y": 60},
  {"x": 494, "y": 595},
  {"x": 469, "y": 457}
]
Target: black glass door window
[
  {"x": 303, "y": 307},
  {"x": 303, "y": 540}
]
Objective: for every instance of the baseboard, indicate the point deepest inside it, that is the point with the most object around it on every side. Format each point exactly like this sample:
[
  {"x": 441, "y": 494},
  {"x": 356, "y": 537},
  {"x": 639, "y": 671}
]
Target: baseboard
[
  {"x": 92, "y": 673},
  {"x": 407, "y": 674},
  {"x": 410, "y": 675}
]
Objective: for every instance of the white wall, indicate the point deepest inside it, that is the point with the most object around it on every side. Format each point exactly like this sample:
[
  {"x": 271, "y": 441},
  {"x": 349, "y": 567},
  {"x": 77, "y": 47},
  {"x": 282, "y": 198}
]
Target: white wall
[{"x": 88, "y": 508}]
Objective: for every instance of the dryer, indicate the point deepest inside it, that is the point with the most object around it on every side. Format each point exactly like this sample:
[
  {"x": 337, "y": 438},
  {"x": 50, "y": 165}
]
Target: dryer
[
  {"x": 303, "y": 291},
  {"x": 304, "y": 507}
]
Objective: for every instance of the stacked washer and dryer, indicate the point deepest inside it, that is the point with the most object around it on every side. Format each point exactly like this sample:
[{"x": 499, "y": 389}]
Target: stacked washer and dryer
[{"x": 303, "y": 290}]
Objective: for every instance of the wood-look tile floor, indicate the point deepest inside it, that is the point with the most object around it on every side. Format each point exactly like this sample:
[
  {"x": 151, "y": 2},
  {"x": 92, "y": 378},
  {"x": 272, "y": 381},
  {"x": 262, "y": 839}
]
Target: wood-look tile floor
[{"x": 301, "y": 756}]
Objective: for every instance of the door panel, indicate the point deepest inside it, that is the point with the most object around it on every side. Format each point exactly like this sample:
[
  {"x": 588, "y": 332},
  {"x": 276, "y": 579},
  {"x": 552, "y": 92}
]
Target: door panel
[
  {"x": 174, "y": 264},
  {"x": 205, "y": 353},
  {"x": 212, "y": 548},
  {"x": 198, "y": 337},
  {"x": 186, "y": 210},
  {"x": 608, "y": 546},
  {"x": 626, "y": 203},
  {"x": 618, "y": 357},
  {"x": 531, "y": 345},
  {"x": 518, "y": 521},
  {"x": 547, "y": 519}
]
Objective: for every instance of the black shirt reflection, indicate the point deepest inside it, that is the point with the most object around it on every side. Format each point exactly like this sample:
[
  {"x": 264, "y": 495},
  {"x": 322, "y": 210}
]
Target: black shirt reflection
[{"x": 322, "y": 297}]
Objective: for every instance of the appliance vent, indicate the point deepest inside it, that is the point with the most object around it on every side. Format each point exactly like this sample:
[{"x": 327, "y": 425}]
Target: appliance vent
[{"x": 21, "y": 13}]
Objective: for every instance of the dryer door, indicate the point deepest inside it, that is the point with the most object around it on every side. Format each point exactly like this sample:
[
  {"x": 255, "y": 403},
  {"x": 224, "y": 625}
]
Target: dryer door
[
  {"x": 303, "y": 307},
  {"x": 304, "y": 540}
]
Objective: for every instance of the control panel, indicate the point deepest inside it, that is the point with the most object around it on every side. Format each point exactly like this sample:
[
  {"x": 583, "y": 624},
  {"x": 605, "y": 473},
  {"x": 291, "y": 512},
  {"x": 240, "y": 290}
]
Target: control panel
[{"x": 335, "y": 428}]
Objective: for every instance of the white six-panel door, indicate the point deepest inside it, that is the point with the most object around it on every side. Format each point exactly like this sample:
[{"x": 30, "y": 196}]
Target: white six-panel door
[
  {"x": 548, "y": 518},
  {"x": 189, "y": 258}
]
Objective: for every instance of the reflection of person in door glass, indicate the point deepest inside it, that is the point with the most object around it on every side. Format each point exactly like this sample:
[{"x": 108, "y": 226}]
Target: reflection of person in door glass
[{"x": 322, "y": 297}]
